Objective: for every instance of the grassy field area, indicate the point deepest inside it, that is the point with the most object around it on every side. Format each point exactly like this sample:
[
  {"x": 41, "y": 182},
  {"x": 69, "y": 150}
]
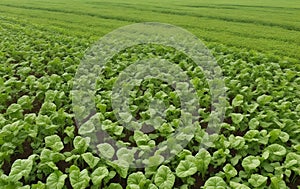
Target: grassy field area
[
  {"x": 44, "y": 145},
  {"x": 269, "y": 26}
]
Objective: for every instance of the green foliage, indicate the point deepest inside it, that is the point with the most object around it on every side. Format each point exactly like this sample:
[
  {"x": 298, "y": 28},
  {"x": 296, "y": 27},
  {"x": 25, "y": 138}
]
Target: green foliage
[
  {"x": 164, "y": 178},
  {"x": 21, "y": 168},
  {"x": 79, "y": 179},
  {"x": 98, "y": 175},
  {"x": 90, "y": 159},
  {"x": 106, "y": 150},
  {"x": 250, "y": 163},
  {"x": 56, "y": 180},
  {"x": 186, "y": 168},
  {"x": 40, "y": 146},
  {"x": 257, "y": 180},
  {"x": 215, "y": 182},
  {"x": 54, "y": 142}
]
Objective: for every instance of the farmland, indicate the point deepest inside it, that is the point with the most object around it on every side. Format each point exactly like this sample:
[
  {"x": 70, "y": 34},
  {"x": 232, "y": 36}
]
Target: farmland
[{"x": 256, "y": 44}]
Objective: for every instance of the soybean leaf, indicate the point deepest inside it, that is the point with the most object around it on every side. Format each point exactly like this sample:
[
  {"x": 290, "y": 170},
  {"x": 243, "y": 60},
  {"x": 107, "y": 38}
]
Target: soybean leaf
[
  {"x": 276, "y": 152},
  {"x": 237, "y": 117},
  {"x": 203, "y": 159},
  {"x": 54, "y": 142},
  {"x": 253, "y": 123},
  {"x": 125, "y": 154},
  {"x": 155, "y": 160},
  {"x": 236, "y": 185},
  {"x": 186, "y": 168},
  {"x": 38, "y": 185},
  {"x": 257, "y": 180},
  {"x": 51, "y": 156},
  {"x": 164, "y": 178},
  {"x": 137, "y": 179},
  {"x": 21, "y": 168},
  {"x": 236, "y": 142},
  {"x": 264, "y": 99},
  {"x": 238, "y": 100},
  {"x": 86, "y": 128},
  {"x": 99, "y": 174},
  {"x": 152, "y": 186},
  {"x": 114, "y": 186},
  {"x": 277, "y": 183},
  {"x": 229, "y": 171},
  {"x": 120, "y": 166},
  {"x": 90, "y": 159},
  {"x": 106, "y": 150},
  {"x": 292, "y": 161},
  {"x": 81, "y": 144},
  {"x": 56, "y": 180},
  {"x": 79, "y": 179},
  {"x": 250, "y": 162},
  {"x": 215, "y": 182}
]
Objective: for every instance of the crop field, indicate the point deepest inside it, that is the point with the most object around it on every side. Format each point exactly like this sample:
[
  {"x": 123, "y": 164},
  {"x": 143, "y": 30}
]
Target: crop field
[{"x": 43, "y": 144}]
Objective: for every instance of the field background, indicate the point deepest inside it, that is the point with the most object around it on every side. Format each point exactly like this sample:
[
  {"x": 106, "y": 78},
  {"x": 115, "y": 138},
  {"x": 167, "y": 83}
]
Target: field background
[
  {"x": 270, "y": 26},
  {"x": 256, "y": 43}
]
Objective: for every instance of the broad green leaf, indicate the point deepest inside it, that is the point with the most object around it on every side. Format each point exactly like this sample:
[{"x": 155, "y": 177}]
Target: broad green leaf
[
  {"x": 274, "y": 134},
  {"x": 51, "y": 156},
  {"x": 251, "y": 162},
  {"x": 79, "y": 179},
  {"x": 236, "y": 185},
  {"x": 292, "y": 161},
  {"x": 132, "y": 186},
  {"x": 15, "y": 111},
  {"x": 257, "y": 180},
  {"x": 38, "y": 185},
  {"x": 186, "y": 168},
  {"x": 252, "y": 107},
  {"x": 48, "y": 108},
  {"x": 13, "y": 108},
  {"x": 99, "y": 174},
  {"x": 81, "y": 144},
  {"x": 265, "y": 155},
  {"x": 277, "y": 183},
  {"x": 152, "y": 186},
  {"x": 164, "y": 178},
  {"x": 235, "y": 160},
  {"x": 106, "y": 150},
  {"x": 25, "y": 102},
  {"x": 236, "y": 142},
  {"x": 21, "y": 168},
  {"x": 125, "y": 116},
  {"x": 56, "y": 180},
  {"x": 237, "y": 117},
  {"x": 137, "y": 179},
  {"x": 276, "y": 152},
  {"x": 90, "y": 159},
  {"x": 203, "y": 159},
  {"x": 229, "y": 171},
  {"x": 125, "y": 154},
  {"x": 251, "y": 135},
  {"x": 253, "y": 123},
  {"x": 264, "y": 99},
  {"x": 70, "y": 131},
  {"x": 114, "y": 186},
  {"x": 140, "y": 138},
  {"x": 238, "y": 100},
  {"x": 54, "y": 142},
  {"x": 86, "y": 128},
  {"x": 121, "y": 167},
  {"x": 155, "y": 160},
  {"x": 284, "y": 137},
  {"x": 215, "y": 182}
]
